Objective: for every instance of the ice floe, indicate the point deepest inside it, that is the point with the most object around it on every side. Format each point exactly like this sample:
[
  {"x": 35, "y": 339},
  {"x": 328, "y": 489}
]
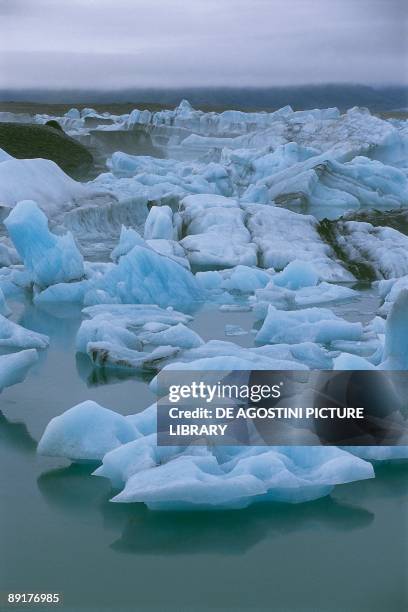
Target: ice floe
[
  {"x": 116, "y": 335},
  {"x": 16, "y": 336},
  {"x": 48, "y": 258},
  {"x": 383, "y": 249},
  {"x": 86, "y": 432},
  {"x": 43, "y": 181},
  {"x": 179, "y": 478},
  {"x": 318, "y": 325},
  {"x": 143, "y": 276},
  {"x": 14, "y": 367},
  {"x": 283, "y": 236},
  {"x": 216, "y": 235},
  {"x": 4, "y": 309}
]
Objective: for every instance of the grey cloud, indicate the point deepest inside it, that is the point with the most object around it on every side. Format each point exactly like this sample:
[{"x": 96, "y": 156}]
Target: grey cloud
[{"x": 125, "y": 43}]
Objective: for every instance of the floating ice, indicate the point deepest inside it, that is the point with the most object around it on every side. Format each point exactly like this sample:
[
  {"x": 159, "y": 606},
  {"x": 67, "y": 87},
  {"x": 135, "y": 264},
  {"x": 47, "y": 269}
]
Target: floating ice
[
  {"x": 389, "y": 290},
  {"x": 142, "y": 276},
  {"x": 208, "y": 220},
  {"x": 85, "y": 432},
  {"x": 14, "y": 335},
  {"x": 171, "y": 249},
  {"x": 396, "y": 333},
  {"x": 177, "y": 335},
  {"x": 117, "y": 334},
  {"x": 283, "y": 236},
  {"x": 4, "y": 309},
  {"x": 194, "y": 478},
  {"x": 286, "y": 299},
  {"x": 346, "y": 361},
  {"x": 125, "y": 460},
  {"x": 234, "y": 330},
  {"x": 14, "y": 367},
  {"x": 297, "y": 274},
  {"x": 222, "y": 355},
  {"x": 138, "y": 315},
  {"x": 128, "y": 239},
  {"x": 383, "y": 249},
  {"x": 43, "y": 181},
  {"x": 311, "y": 324},
  {"x": 8, "y": 255},
  {"x": 241, "y": 279},
  {"x": 48, "y": 258},
  {"x": 323, "y": 184},
  {"x": 159, "y": 223}
]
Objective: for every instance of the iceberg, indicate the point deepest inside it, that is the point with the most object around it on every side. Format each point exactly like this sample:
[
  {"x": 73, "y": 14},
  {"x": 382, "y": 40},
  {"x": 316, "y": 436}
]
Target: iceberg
[
  {"x": 128, "y": 239},
  {"x": 389, "y": 291},
  {"x": 117, "y": 334},
  {"x": 43, "y": 181},
  {"x": 159, "y": 223},
  {"x": 285, "y": 474},
  {"x": 4, "y": 309},
  {"x": 288, "y": 299},
  {"x": 188, "y": 478},
  {"x": 16, "y": 336},
  {"x": 324, "y": 184},
  {"x": 125, "y": 460},
  {"x": 8, "y": 256},
  {"x": 237, "y": 280},
  {"x": 396, "y": 331},
  {"x": 145, "y": 277},
  {"x": 171, "y": 249},
  {"x": 297, "y": 274},
  {"x": 383, "y": 249},
  {"x": 308, "y": 325},
  {"x": 222, "y": 355},
  {"x": 48, "y": 258},
  {"x": 85, "y": 432},
  {"x": 283, "y": 236},
  {"x": 207, "y": 220},
  {"x": 14, "y": 367},
  {"x": 176, "y": 335},
  {"x": 347, "y": 361}
]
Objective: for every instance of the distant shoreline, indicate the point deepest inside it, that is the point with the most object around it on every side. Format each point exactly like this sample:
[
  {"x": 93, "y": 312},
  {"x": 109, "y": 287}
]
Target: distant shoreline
[
  {"x": 121, "y": 108},
  {"x": 343, "y": 96}
]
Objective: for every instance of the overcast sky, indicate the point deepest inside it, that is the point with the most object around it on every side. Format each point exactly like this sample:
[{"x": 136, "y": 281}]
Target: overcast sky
[{"x": 141, "y": 43}]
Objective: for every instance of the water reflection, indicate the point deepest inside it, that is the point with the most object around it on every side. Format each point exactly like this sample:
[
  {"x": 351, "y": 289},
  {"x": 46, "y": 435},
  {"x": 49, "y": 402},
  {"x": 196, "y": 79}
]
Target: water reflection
[
  {"x": 391, "y": 481},
  {"x": 233, "y": 532},
  {"x": 60, "y": 322},
  {"x": 73, "y": 490},
  {"x": 94, "y": 375},
  {"x": 16, "y": 435}
]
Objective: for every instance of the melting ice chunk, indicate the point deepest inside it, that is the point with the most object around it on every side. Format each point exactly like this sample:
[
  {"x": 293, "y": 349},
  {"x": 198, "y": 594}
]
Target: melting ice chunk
[
  {"x": 48, "y": 258},
  {"x": 14, "y": 367},
  {"x": 85, "y": 432},
  {"x": 309, "y": 325}
]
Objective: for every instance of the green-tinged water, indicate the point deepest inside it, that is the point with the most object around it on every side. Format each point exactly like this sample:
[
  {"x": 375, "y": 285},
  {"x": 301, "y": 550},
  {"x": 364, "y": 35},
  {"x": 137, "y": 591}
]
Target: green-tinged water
[{"x": 60, "y": 533}]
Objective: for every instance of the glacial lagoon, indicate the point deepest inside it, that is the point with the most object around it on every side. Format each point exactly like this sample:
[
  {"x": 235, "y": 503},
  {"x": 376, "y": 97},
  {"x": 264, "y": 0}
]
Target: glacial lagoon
[
  {"x": 275, "y": 214},
  {"x": 61, "y": 533}
]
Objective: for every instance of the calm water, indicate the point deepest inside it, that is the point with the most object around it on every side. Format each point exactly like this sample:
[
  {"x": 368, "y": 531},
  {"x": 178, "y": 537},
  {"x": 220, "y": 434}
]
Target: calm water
[{"x": 60, "y": 533}]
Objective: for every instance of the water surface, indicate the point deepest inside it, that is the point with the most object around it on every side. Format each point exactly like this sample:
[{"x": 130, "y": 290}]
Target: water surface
[{"x": 60, "y": 533}]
